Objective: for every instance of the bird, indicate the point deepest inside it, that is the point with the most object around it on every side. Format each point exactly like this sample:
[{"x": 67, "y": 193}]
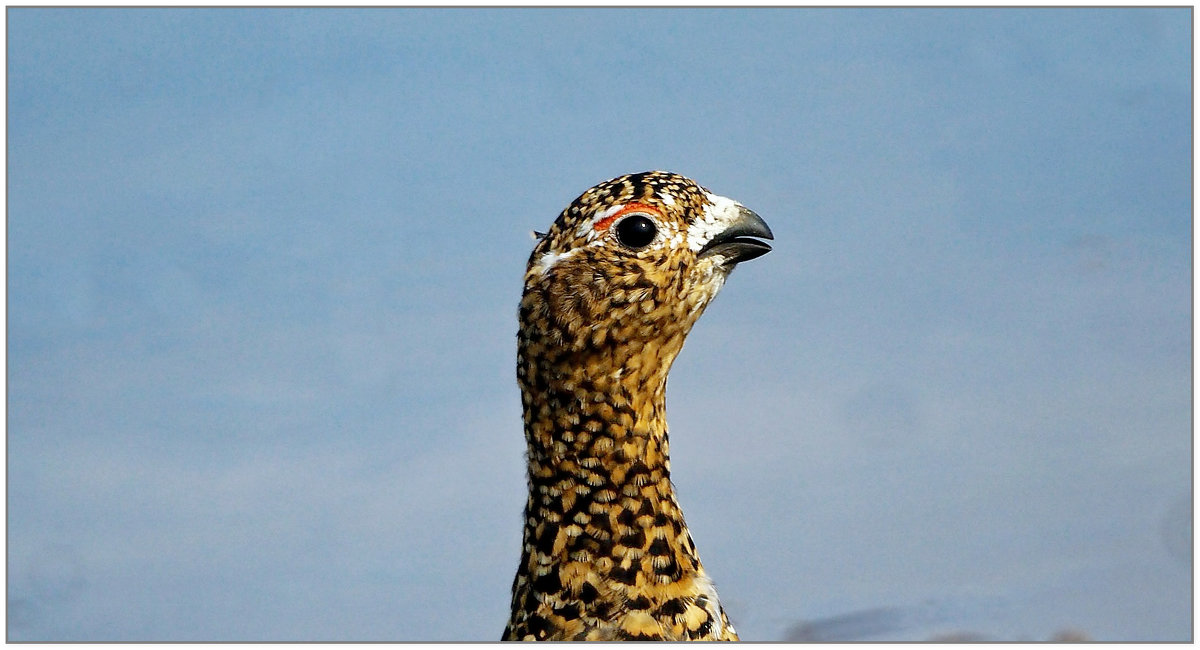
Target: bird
[{"x": 611, "y": 291}]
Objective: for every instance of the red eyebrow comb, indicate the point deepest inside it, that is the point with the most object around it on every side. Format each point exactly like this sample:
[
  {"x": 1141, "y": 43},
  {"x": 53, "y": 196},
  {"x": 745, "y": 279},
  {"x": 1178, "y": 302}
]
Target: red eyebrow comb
[{"x": 604, "y": 223}]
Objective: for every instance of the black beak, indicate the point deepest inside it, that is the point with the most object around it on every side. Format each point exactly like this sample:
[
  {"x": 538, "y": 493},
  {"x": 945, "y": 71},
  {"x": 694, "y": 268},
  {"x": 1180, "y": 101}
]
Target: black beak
[{"x": 740, "y": 241}]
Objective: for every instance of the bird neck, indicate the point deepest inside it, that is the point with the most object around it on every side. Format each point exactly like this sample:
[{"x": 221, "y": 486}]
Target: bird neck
[
  {"x": 603, "y": 528},
  {"x": 600, "y": 409}
]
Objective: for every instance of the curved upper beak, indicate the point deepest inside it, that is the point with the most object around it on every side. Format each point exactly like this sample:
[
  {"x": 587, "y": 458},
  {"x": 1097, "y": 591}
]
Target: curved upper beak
[{"x": 739, "y": 241}]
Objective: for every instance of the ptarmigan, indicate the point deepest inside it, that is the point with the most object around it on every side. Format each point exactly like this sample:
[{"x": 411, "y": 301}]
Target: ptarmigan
[{"x": 610, "y": 293}]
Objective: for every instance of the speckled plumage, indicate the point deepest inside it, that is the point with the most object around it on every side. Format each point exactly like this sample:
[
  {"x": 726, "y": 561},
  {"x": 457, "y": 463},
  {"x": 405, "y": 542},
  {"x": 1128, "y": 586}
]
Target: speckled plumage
[{"x": 606, "y": 553}]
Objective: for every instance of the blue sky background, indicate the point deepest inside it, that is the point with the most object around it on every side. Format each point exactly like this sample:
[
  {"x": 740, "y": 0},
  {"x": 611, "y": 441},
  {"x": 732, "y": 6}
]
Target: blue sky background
[{"x": 263, "y": 269}]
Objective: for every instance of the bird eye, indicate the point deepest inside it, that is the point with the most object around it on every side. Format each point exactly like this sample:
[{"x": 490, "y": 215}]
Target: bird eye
[{"x": 636, "y": 231}]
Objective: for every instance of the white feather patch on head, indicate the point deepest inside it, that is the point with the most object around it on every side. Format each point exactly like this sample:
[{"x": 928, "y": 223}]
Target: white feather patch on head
[
  {"x": 550, "y": 258},
  {"x": 718, "y": 214}
]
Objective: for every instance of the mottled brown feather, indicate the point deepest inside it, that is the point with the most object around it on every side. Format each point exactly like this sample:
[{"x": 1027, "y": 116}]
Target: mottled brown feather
[{"x": 606, "y": 554}]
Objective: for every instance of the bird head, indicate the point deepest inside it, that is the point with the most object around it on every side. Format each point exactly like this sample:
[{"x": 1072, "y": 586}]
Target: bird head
[{"x": 630, "y": 265}]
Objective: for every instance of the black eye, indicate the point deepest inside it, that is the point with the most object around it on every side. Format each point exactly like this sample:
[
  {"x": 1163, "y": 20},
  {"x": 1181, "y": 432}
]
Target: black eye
[{"x": 636, "y": 231}]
